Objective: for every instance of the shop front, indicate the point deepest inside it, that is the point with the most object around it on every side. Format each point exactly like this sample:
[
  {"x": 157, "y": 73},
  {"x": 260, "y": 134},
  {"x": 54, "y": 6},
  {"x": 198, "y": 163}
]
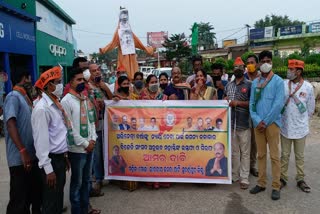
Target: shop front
[
  {"x": 54, "y": 37},
  {"x": 17, "y": 42}
]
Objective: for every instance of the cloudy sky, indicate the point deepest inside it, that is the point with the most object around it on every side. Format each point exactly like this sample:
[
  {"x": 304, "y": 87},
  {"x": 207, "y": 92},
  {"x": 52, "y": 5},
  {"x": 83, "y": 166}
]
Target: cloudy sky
[{"x": 97, "y": 19}]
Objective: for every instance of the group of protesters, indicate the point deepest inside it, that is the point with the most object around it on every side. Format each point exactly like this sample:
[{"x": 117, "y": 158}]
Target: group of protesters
[{"x": 62, "y": 129}]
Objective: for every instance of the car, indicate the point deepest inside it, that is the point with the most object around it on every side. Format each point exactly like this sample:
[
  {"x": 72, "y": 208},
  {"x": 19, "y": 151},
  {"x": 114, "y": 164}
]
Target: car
[
  {"x": 158, "y": 71},
  {"x": 146, "y": 70}
]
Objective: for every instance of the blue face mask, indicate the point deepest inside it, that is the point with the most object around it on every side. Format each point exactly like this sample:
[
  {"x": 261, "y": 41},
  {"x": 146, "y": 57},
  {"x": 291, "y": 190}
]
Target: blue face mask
[{"x": 80, "y": 87}]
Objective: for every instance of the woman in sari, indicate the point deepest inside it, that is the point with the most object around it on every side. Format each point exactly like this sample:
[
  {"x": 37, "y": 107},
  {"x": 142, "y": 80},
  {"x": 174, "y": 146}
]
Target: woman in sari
[
  {"x": 123, "y": 93},
  {"x": 151, "y": 91},
  {"x": 201, "y": 91}
]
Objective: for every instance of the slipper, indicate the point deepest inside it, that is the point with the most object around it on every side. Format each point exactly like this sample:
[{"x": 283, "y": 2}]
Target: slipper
[
  {"x": 94, "y": 211},
  {"x": 303, "y": 186},
  {"x": 244, "y": 186},
  {"x": 96, "y": 193}
]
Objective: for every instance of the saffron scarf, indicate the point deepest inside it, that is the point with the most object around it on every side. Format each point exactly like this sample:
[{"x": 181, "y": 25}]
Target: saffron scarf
[
  {"x": 23, "y": 92},
  {"x": 85, "y": 113}
]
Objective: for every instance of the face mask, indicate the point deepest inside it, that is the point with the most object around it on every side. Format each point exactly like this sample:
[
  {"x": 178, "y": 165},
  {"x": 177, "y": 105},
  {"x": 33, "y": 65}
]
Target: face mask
[
  {"x": 124, "y": 89},
  {"x": 238, "y": 74},
  {"x": 86, "y": 74},
  {"x": 97, "y": 79},
  {"x": 80, "y": 87},
  {"x": 265, "y": 67},
  {"x": 138, "y": 84},
  {"x": 291, "y": 76},
  {"x": 153, "y": 87},
  {"x": 58, "y": 91},
  {"x": 216, "y": 78},
  {"x": 251, "y": 68},
  {"x": 163, "y": 86}
]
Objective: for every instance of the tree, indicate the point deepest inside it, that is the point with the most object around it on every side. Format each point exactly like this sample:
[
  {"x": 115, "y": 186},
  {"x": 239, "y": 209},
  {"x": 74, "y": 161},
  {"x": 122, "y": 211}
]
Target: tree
[
  {"x": 276, "y": 21},
  {"x": 106, "y": 57},
  {"x": 205, "y": 37},
  {"x": 177, "y": 47}
]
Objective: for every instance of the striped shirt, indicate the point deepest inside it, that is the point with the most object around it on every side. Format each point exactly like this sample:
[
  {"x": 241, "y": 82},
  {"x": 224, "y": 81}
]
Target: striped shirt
[{"x": 240, "y": 116}]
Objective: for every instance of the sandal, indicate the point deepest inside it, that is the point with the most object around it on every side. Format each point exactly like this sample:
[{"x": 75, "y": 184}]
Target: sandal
[
  {"x": 96, "y": 193},
  {"x": 303, "y": 186},
  {"x": 94, "y": 211},
  {"x": 244, "y": 186},
  {"x": 283, "y": 183}
]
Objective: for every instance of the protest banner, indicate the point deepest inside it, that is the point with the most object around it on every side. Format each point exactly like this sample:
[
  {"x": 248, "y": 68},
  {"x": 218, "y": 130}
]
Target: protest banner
[{"x": 168, "y": 141}]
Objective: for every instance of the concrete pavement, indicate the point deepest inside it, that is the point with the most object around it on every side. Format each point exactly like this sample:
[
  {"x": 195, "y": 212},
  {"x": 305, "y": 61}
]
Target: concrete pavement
[{"x": 193, "y": 198}]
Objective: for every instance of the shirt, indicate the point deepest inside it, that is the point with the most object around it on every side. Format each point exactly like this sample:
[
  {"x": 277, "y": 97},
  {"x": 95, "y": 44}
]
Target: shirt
[
  {"x": 71, "y": 105},
  {"x": 294, "y": 124},
  {"x": 240, "y": 116},
  {"x": 49, "y": 132},
  {"x": 270, "y": 104},
  {"x": 16, "y": 106},
  {"x": 170, "y": 89}
]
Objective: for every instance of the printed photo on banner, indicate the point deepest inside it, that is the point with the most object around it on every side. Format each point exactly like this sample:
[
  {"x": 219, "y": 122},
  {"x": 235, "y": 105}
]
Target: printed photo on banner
[{"x": 174, "y": 143}]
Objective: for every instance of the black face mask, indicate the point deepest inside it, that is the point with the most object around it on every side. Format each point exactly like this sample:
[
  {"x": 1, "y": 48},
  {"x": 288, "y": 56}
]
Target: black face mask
[
  {"x": 124, "y": 90},
  {"x": 163, "y": 86},
  {"x": 238, "y": 74},
  {"x": 97, "y": 79},
  {"x": 216, "y": 78},
  {"x": 138, "y": 84},
  {"x": 80, "y": 87}
]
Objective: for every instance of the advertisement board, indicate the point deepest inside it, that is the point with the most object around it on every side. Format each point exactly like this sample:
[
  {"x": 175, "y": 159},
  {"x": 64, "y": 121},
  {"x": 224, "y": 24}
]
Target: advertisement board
[
  {"x": 169, "y": 141},
  {"x": 156, "y": 39},
  {"x": 290, "y": 30}
]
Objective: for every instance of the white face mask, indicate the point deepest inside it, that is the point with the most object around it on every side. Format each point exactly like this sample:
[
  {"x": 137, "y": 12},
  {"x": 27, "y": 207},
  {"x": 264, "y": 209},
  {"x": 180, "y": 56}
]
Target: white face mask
[
  {"x": 265, "y": 67},
  {"x": 58, "y": 91}
]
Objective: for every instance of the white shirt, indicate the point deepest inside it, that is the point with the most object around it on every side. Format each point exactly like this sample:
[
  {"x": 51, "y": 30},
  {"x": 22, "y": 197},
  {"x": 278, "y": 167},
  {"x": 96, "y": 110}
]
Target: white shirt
[
  {"x": 49, "y": 131},
  {"x": 71, "y": 105},
  {"x": 294, "y": 124},
  {"x": 153, "y": 128}
]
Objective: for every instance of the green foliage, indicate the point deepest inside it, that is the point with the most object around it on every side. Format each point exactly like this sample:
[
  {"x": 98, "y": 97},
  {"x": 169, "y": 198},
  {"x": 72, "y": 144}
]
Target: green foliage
[
  {"x": 106, "y": 57},
  {"x": 244, "y": 56},
  {"x": 207, "y": 66},
  {"x": 229, "y": 65},
  {"x": 206, "y": 36},
  {"x": 294, "y": 55},
  {"x": 221, "y": 61},
  {"x": 276, "y": 21},
  {"x": 278, "y": 61},
  {"x": 313, "y": 59},
  {"x": 176, "y": 47}
]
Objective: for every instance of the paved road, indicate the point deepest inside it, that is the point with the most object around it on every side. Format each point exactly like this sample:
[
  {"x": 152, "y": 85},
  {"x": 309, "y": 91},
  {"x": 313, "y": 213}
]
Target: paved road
[{"x": 192, "y": 198}]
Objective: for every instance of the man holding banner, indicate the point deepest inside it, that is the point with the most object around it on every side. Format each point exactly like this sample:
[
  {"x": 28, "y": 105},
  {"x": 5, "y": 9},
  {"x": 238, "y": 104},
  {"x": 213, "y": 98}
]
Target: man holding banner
[{"x": 238, "y": 94}]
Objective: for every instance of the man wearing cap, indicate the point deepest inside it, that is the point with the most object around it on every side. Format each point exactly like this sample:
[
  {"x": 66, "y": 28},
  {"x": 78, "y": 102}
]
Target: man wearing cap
[
  {"x": 25, "y": 175},
  {"x": 81, "y": 140},
  {"x": 266, "y": 102},
  {"x": 238, "y": 94},
  {"x": 299, "y": 107},
  {"x": 49, "y": 127}
]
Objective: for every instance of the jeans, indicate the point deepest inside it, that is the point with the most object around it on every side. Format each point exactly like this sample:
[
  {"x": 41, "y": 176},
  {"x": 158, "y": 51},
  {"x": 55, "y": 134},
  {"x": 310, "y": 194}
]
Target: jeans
[
  {"x": 25, "y": 190},
  {"x": 53, "y": 197},
  {"x": 98, "y": 166},
  {"x": 80, "y": 182}
]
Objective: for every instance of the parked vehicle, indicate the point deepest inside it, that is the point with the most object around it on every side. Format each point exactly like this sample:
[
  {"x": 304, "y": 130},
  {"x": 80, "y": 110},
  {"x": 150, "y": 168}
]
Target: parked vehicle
[
  {"x": 146, "y": 70},
  {"x": 158, "y": 71}
]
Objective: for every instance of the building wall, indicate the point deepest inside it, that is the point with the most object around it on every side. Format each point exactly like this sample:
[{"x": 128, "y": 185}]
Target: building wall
[{"x": 30, "y": 5}]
